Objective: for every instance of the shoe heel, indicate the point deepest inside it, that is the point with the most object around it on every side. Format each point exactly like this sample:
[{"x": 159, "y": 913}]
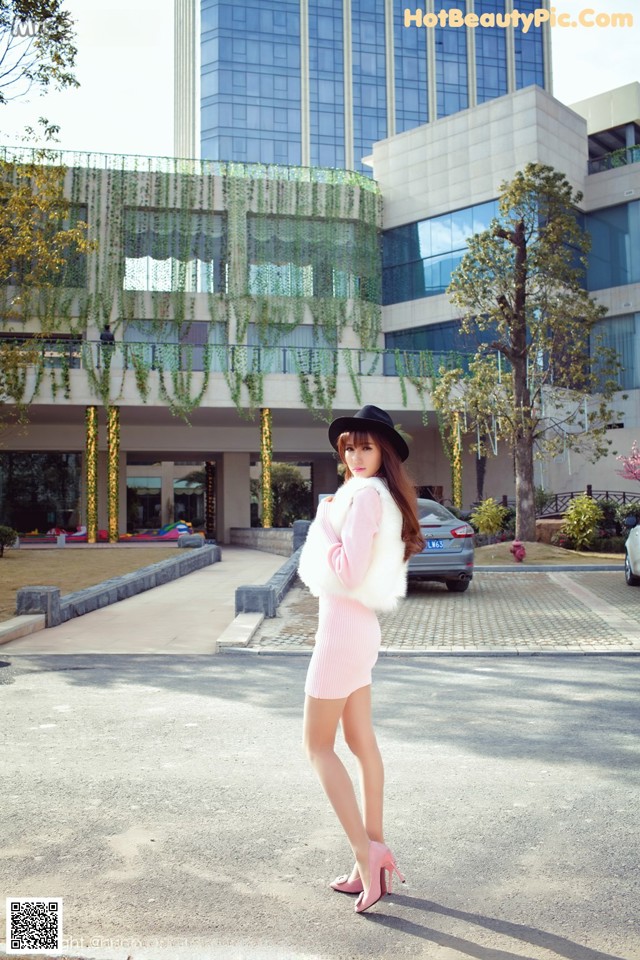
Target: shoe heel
[
  {"x": 391, "y": 869},
  {"x": 399, "y": 872}
]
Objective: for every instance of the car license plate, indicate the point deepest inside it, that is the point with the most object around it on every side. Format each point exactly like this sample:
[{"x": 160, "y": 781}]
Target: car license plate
[{"x": 435, "y": 545}]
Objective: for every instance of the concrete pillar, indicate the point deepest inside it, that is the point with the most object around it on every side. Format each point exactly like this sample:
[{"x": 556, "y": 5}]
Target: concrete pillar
[
  {"x": 233, "y": 494},
  {"x": 102, "y": 490},
  {"x": 166, "y": 493},
  {"x": 122, "y": 494},
  {"x": 324, "y": 478}
]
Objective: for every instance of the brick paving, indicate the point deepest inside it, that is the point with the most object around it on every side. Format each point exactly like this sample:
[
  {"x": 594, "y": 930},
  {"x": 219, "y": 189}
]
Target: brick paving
[{"x": 521, "y": 613}]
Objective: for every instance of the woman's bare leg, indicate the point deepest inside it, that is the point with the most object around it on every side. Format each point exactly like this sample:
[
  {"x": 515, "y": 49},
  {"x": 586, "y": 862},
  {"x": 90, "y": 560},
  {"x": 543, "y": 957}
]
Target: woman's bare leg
[
  {"x": 359, "y": 735},
  {"x": 321, "y": 719}
]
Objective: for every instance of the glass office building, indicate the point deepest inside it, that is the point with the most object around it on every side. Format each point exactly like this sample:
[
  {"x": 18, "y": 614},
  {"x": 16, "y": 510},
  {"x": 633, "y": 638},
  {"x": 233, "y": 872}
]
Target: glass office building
[{"x": 317, "y": 82}]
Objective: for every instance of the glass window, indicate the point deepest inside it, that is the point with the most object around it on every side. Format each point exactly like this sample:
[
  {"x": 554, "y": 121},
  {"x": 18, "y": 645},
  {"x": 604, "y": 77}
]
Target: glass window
[
  {"x": 194, "y": 346},
  {"x": 296, "y": 256},
  {"x": 174, "y": 250},
  {"x": 40, "y": 491},
  {"x": 614, "y": 259},
  {"x": 143, "y": 503},
  {"x": 419, "y": 258},
  {"x": 622, "y": 334}
]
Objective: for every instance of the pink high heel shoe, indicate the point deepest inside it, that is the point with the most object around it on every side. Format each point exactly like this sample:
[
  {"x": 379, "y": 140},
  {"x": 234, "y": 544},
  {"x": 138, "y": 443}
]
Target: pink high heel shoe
[
  {"x": 344, "y": 885},
  {"x": 381, "y": 862}
]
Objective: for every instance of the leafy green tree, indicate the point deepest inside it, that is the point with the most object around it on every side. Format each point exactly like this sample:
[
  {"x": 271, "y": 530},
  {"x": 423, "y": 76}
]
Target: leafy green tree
[
  {"x": 37, "y": 46},
  {"x": 38, "y": 238},
  {"x": 8, "y": 537},
  {"x": 291, "y": 494},
  {"x": 533, "y": 385}
]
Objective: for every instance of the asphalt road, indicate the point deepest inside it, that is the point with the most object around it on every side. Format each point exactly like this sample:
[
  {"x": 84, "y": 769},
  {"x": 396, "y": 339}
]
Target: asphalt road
[{"x": 168, "y": 802}]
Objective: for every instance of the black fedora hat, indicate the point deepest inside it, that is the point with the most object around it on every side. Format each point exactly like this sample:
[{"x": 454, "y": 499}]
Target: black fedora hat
[{"x": 369, "y": 419}]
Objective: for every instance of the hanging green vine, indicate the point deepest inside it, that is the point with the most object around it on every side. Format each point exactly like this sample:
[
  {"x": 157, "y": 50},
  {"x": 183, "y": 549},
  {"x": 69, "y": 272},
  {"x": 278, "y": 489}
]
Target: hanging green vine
[{"x": 208, "y": 257}]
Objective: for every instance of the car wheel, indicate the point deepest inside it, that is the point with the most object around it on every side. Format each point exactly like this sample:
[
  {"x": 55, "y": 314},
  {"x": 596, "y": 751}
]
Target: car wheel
[
  {"x": 629, "y": 575},
  {"x": 458, "y": 586}
]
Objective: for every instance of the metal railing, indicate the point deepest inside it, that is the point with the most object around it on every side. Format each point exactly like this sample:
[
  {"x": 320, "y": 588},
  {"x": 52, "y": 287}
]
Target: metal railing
[
  {"x": 617, "y": 158},
  {"x": 76, "y": 353},
  {"x": 559, "y": 502}
]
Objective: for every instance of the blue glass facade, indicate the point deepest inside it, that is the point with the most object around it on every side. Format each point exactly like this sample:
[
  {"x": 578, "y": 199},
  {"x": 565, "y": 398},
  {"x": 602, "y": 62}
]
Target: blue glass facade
[
  {"x": 529, "y": 51},
  {"x": 369, "y": 78},
  {"x": 419, "y": 258},
  {"x": 622, "y": 334},
  {"x": 252, "y": 82},
  {"x": 614, "y": 259},
  {"x": 440, "y": 338},
  {"x": 411, "y": 82},
  {"x": 491, "y": 54},
  {"x": 452, "y": 72},
  {"x": 326, "y": 83}
]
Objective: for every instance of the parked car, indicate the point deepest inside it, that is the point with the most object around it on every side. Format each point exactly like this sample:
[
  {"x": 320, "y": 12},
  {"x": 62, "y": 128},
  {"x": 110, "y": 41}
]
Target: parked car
[
  {"x": 632, "y": 553},
  {"x": 448, "y": 551}
]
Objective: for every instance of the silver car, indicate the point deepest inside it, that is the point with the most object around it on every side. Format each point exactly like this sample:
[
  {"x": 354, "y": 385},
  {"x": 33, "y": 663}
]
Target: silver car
[
  {"x": 448, "y": 551},
  {"x": 632, "y": 553}
]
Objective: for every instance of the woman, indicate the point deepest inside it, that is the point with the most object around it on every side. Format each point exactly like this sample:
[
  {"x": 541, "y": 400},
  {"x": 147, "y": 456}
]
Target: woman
[{"x": 355, "y": 561}]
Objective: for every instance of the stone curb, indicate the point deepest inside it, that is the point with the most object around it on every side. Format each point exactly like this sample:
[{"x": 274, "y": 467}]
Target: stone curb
[
  {"x": 265, "y": 598},
  {"x": 241, "y": 631},
  {"x": 21, "y": 627},
  {"x": 552, "y": 568},
  {"x": 57, "y": 609},
  {"x": 450, "y": 652}
]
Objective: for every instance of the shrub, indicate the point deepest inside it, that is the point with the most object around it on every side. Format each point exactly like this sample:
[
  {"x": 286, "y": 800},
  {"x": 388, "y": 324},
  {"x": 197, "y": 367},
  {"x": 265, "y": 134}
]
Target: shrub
[
  {"x": 581, "y": 521},
  {"x": 488, "y": 517},
  {"x": 8, "y": 537},
  {"x": 610, "y": 545},
  {"x": 542, "y": 499},
  {"x": 610, "y": 523},
  {"x": 509, "y": 522},
  {"x": 560, "y": 539},
  {"x": 625, "y": 510}
]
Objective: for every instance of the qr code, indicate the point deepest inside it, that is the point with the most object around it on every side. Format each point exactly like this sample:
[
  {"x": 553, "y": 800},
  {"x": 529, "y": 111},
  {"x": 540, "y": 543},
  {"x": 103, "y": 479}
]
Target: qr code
[{"x": 34, "y": 924}]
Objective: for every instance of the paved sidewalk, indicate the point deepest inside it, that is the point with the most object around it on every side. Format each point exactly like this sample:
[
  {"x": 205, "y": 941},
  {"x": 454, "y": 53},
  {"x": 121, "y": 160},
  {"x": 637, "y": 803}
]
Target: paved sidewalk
[
  {"x": 168, "y": 802},
  {"x": 501, "y": 613},
  {"x": 519, "y": 612},
  {"x": 185, "y": 616}
]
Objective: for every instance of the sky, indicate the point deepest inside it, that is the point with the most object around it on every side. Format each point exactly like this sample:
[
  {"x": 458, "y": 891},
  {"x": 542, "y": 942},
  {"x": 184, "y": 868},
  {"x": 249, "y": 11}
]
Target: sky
[{"x": 125, "y": 68}]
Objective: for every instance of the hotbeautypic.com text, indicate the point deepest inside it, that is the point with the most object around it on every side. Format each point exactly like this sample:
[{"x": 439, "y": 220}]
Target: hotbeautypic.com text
[{"x": 587, "y": 17}]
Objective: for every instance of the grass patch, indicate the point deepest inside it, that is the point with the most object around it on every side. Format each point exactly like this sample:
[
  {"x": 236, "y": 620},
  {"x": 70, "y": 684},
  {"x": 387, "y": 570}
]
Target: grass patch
[
  {"x": 69, "y": 568},
  {"x": 499, "y": 553}
]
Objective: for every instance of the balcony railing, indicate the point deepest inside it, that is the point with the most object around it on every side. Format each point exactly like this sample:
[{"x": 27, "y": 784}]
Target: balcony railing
[
  {"x": 229, "y": 358},
  {"x": 618, "y": 158}
]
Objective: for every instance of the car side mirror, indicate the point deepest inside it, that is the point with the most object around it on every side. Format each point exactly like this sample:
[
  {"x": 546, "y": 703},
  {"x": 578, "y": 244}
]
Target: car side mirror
[{"x": 630, "y": 522}]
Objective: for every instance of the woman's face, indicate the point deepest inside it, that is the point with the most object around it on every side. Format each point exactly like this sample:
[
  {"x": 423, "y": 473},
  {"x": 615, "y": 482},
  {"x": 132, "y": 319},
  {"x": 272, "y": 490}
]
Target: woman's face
[{"x": 363, "y": 460}]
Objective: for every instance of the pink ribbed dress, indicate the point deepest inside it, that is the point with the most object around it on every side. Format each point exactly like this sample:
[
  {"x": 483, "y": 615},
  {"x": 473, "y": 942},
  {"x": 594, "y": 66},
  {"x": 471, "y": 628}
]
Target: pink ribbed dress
[{"x": 348, "y": 636}]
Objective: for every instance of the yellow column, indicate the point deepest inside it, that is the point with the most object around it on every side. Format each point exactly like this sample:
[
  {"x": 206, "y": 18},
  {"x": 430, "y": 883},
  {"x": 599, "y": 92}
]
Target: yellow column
[
  {"x": 113, "y": 472},
  {"x": 266, "y": 454},
  {"x": 91, "y": 466}
]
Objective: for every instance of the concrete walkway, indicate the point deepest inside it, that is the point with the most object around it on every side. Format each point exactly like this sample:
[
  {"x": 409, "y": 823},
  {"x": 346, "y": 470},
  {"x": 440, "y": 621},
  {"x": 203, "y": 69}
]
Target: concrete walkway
[{"x": 185, "y": 616}]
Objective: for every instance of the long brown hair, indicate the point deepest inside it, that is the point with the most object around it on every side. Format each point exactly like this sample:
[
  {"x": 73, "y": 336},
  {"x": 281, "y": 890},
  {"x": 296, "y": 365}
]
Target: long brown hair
[{"x": 400, "y": 487}]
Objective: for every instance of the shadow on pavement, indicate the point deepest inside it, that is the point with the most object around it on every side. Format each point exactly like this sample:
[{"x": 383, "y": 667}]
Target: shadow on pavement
[{"x": 530, "y": 935}]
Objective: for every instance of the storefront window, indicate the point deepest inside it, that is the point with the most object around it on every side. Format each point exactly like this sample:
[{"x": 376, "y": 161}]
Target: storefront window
[{"x": 40, "y": 491}]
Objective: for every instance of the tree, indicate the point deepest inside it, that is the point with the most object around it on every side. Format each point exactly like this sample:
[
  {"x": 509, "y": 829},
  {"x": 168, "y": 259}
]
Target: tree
[
  {"x": 543, "y": 383},
  {"x": 631, "y": 464},
  {"x": 291, "y": 494},
  {"x": 39, "y": 236},
  {"x": 36, "y": 47}
]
